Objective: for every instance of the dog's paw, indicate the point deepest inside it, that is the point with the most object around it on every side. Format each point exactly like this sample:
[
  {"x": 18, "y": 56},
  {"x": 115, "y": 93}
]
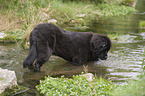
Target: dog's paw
[{"x": 27, "y": 63}]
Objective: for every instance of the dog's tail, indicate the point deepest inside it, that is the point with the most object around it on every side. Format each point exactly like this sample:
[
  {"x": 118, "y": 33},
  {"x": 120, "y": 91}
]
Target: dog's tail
[{"x": 33, "y": 49}]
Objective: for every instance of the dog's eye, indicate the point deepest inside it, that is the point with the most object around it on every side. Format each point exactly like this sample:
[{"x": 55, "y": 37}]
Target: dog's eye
[{"x": 104, "y": 45}]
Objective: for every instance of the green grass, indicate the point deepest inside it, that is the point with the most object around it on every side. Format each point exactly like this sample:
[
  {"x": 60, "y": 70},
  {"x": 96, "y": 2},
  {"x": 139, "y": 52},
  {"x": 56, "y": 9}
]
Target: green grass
[
  {"x": 113, "y": 36},
  {"x": 33, "y": 12},
  {"x": 77, "y": 86},
  {"x": 64, "y": 12},
  {"x": 134, "y": 88},
  {"x": 142, "y": 24},
  {"x": 22, "y": 15},
  {"x": 114, "y": 10}
]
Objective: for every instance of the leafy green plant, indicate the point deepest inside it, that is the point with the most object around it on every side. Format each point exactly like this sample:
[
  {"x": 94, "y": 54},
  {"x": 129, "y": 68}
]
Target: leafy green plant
[
  {"x": 113, "y": 36},
  {"x": 77, "y": 86}
]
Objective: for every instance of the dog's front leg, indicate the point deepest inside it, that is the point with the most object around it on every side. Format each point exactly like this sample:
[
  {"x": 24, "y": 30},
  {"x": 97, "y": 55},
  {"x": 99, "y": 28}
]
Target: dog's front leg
[
  {"x": 44, "y": 53},
  {"x": 42, "y": 58}
]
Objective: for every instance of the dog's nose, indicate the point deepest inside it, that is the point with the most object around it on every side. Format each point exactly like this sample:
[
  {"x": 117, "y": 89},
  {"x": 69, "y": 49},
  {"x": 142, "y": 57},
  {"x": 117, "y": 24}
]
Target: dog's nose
[{"x": 104, "y": 58}]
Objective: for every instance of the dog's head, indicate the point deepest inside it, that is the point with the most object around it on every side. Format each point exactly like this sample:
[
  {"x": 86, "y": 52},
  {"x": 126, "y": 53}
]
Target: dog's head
[{"x": 100, "y": 45}]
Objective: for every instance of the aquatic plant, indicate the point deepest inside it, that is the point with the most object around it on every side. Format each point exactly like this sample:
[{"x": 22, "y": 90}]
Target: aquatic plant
[{"x": 77, "y": 86}]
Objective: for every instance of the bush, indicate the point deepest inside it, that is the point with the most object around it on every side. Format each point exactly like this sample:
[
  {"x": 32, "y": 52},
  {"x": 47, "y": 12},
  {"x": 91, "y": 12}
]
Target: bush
[{"x": 77, "y": 86}]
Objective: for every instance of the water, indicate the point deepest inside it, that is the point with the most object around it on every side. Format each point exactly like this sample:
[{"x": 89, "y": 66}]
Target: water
[{"x": 124, "y": 61}]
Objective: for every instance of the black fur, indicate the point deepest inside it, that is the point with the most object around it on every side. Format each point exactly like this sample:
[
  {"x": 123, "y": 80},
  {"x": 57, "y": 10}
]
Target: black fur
[{"x": 77, "y": 47}]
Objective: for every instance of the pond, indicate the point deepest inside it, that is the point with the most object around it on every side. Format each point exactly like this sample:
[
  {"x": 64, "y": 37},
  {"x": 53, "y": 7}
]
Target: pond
[{"x": 123, "y": 63}]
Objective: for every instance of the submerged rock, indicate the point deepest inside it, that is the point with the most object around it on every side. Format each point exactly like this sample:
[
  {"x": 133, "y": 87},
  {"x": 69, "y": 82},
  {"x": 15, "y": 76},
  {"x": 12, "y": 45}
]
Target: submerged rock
[
  {"x": 143, "y": 35},
  {"x": 8, "y": 79}
]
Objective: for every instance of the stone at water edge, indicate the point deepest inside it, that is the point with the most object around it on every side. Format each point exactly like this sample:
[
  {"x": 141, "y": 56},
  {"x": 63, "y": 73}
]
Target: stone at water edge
[
  {"x": 2, "y": 35},
  {"x": 52, "y": 21},
  {"x": 89, "y": 76},
  {"x": 8, "y": 79}
]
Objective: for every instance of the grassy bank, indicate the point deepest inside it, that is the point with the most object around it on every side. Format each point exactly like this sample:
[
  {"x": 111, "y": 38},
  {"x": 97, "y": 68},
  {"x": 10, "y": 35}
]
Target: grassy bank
[
  {"x": 20, "y": 16},
  {"x": 80, "y": 86}
]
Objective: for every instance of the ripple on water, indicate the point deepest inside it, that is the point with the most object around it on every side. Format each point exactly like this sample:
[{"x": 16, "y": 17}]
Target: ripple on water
[{"x": 123, "y": 63}]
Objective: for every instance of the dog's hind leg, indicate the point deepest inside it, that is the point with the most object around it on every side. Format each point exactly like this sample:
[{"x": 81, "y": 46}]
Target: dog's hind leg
[{"x": 33, "y": 49}]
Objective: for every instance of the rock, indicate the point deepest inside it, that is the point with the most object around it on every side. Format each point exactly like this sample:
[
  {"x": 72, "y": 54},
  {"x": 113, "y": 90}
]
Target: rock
[
  {"x": 81, "y": 15},
  {"x": 143, "y": 35},
  {"x": 52, "y": 21},
  {"x": 89, "y": 76},
  {"x": 8, "y": 79},
  {"x": 2, "y": 35}
]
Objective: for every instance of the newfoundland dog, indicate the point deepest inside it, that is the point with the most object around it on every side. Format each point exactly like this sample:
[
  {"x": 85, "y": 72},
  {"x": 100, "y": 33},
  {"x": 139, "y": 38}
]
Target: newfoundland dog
[{"x": 76, "y": 47}]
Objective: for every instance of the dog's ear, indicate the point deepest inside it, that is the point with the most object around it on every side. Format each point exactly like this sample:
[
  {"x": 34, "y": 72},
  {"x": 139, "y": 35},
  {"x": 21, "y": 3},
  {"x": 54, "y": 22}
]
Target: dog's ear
[
  {"x": 52, "y": 42},
  {"x": 46, "y": 35}
]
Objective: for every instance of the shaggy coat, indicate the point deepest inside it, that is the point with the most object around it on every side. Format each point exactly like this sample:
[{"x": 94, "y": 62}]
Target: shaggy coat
[{"x": 77, "y": 47}]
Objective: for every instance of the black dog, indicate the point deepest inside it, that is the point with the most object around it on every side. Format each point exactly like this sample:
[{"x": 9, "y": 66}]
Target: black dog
[{"x": 76, "y": 47}]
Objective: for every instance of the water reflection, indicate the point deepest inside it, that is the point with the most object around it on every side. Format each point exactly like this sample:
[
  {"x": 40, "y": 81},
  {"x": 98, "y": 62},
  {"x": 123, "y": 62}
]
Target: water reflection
[
  {"x": 140, "y": 6},
  {"x": 120, "y": 24},
  {"x": 125, "y": 61}
]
